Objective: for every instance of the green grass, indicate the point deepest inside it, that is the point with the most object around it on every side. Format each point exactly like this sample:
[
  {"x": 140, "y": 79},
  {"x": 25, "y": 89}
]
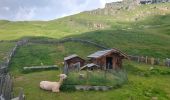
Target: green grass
[
  {"x": 97, "y": 78},
  {"x": 146, "y": 36},
  {"x": 5, "y": 48},
  {"x": 38, "y": 54},
  {"x": 149, "y": 36},
  {"x": 137, "y": 88}
]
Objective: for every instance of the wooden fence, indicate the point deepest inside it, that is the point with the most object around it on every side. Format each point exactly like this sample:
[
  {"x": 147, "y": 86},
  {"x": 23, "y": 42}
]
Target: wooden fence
[
  {"x": 150, "y": 60},
  {"x": 68, "y": 40},
  {"x": 141, "y": 59},
  {"x": 5, "y": 78},
  {"x": 6, "y": 87}
]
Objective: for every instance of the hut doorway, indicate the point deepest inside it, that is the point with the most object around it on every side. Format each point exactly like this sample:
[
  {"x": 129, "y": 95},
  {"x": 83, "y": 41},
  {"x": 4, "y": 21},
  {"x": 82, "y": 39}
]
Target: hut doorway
[
  {"x": 75, "y": 66},
  {"x": 109, "y": 62}
]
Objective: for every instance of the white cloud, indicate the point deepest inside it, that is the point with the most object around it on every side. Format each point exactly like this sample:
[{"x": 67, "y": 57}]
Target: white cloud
[
  {"x": 5, "y": 8},
  {"x": 25, "y": 13},
  {"x": 46, "y": 9}
]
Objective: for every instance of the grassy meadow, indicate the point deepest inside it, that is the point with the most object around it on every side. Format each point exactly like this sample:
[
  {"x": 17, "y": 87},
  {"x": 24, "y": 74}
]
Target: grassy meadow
[
  {"x": 139, "y": 86},
  {"x": 143, "y": 31}
]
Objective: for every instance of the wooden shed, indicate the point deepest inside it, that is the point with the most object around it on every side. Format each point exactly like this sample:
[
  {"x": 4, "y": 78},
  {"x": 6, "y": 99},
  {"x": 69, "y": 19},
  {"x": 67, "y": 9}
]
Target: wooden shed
[
  {"x": 73, "y": 62},
  {"x": 108, "y": 59}
]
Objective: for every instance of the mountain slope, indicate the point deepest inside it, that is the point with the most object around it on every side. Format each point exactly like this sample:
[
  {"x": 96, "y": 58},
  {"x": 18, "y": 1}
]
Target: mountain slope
[
  {"x": 140, "y": 31},
  {"x": 143, "y": 30}
]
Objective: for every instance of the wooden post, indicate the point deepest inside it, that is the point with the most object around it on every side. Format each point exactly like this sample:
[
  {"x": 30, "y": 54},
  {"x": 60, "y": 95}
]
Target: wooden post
[
  {"x": 21, "y": 95},
  {"x": 138, "y": 59},
  {"x": 167, "y": 62},
  {"x": 146, "y": 60},
  {"x": 152, "y": 61},
  {"x": 87, "y": 75}
]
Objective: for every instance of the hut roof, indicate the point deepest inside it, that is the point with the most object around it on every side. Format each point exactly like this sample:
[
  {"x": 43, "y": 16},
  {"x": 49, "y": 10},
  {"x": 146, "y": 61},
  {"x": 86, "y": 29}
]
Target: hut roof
[
  {"x": 70, "y": 57},
  {"x": 89, "y": 66},
  {"x": 105, "y": 52},
  {"x": 98, "y": 54}
]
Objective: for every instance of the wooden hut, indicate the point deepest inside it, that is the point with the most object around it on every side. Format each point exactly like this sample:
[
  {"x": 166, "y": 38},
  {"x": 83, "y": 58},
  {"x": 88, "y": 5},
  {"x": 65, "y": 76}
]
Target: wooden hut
[
  {"x": 73, "y": 62},
  {"x": 108, "y": 59}
]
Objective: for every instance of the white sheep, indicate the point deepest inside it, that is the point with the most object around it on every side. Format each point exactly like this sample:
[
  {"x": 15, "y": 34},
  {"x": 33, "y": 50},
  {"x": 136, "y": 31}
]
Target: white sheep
[{"x": 54, "y": 86}]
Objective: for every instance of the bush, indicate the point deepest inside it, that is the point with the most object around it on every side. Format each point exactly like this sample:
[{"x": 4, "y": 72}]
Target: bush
[
  {"x": 67, "y": 88},
  {"x": 159, "y": 71},
  {"x": 97, "y": 78}
]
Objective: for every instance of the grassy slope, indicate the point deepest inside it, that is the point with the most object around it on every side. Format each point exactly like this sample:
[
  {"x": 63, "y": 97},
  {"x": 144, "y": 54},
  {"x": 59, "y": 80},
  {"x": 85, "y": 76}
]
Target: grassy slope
[
  {"x": 35, "y": 54},
  {"x": 148, "y": 36},
  {"x": 4, "y": 49}
]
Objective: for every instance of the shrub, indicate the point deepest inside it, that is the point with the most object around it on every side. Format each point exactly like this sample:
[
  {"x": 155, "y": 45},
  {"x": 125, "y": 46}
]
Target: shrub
[
  {"x": 98, "y": 78},
  {"x": 67, "y": 88}
]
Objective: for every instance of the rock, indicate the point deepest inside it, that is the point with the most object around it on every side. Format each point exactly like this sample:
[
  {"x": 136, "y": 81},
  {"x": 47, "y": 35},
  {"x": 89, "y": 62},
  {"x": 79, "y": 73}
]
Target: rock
[{"x": 96, "y": 88}]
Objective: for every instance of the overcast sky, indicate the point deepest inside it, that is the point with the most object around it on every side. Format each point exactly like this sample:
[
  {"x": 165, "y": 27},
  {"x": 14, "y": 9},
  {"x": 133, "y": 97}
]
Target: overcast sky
[{"x": 46, "y": 9}]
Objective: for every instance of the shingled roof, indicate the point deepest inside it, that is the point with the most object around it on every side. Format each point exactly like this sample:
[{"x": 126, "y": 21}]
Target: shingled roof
[
  {"x": 89, "y": 66},
  {"x": 70, "y": 57},
  {"x": 105, "y": 52}
]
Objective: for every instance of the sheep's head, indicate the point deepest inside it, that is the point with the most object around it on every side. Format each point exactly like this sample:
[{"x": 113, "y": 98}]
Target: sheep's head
[{"x": 63, "y": 76}]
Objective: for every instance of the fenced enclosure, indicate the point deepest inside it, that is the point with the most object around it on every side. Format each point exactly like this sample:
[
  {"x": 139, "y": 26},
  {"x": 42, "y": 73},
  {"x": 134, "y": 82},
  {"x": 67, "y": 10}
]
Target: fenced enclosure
[
  {"x": 150, "y": 60},
  {"x": 99, "y": 78},
  {"x": 6, "y": 84},
  {"x": 140, "y": 59},
  {"x": 94, "y": 78}
]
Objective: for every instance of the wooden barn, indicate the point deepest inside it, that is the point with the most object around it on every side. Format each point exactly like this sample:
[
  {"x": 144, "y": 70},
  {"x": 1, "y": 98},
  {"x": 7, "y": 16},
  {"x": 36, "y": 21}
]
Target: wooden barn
[
  {"x": 108, "y": 59},
  {"x": 73, "y": 62}
]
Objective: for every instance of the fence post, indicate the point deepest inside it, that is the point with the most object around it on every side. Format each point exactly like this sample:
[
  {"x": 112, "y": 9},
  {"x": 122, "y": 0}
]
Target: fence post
[
  {"x": 152, "y": 61},
  {"x": 146, "y": 60},
  {"x": 138, "y": 59},
  {"x": 167, "y": 62},
  {"x": 21, "y": 95}
]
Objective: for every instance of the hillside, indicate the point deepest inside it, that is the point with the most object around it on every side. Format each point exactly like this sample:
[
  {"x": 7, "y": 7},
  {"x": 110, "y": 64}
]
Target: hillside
[
  {"x": 140, "y": 31},
  {"x": 137, "y": 30},
  {"x": 83, "y": 22}
]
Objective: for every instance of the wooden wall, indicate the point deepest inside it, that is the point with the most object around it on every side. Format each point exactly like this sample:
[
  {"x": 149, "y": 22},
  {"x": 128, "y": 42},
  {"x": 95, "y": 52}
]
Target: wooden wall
[
  {"x": 74, "y": 61},
  {"x": 116, "y": 61}
]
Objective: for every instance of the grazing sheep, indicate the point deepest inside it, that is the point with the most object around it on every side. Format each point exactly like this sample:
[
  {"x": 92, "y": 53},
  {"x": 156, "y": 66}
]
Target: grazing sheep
[{"x": 53, "y": 86}]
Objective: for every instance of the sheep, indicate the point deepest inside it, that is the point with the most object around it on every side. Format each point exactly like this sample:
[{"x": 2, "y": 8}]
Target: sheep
[{"x": 53, "y": 86}]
